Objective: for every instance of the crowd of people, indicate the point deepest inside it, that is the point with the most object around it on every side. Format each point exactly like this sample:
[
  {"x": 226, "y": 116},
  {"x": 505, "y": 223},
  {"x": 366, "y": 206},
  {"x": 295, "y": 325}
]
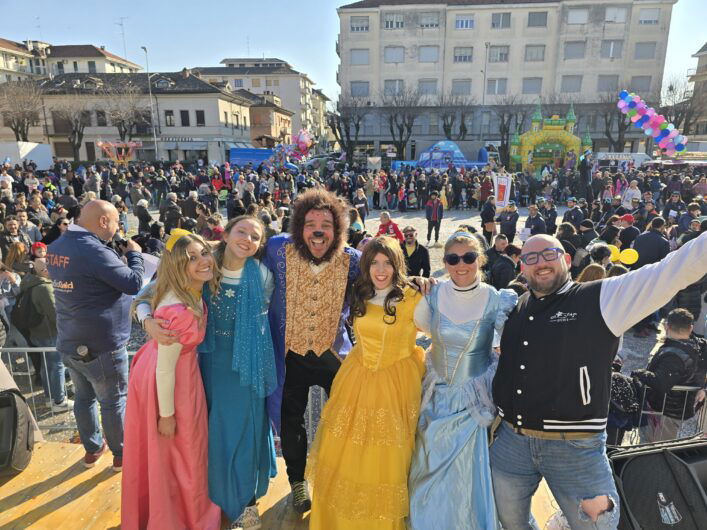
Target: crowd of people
[{"x": 269, "y": 283}]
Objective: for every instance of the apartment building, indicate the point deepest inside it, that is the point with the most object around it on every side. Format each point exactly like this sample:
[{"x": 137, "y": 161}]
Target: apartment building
[
  {"x": 699, "y": 79},
  {"x": 270, "y": 123},
  {"x": 270, "y": 76},
  {"x": 194, "y": 119},
  {"x": 490, "y": 52},
  {"x": 35, "y": 59}
]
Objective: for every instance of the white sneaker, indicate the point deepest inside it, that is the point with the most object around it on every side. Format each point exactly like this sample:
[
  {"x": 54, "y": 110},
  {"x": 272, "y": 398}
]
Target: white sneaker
[
  {"x": 249, "y": 519},
  {"x": 64, "y": 406}
]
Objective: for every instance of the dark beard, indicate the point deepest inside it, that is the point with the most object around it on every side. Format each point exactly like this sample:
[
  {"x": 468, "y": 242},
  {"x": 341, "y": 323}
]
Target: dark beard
[
  {"x": 304, "y": 251},
  {"x": 560, "y": 280}
]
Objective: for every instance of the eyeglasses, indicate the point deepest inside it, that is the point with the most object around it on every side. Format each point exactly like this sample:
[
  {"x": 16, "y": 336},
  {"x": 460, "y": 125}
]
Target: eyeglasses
[
  {"x": 454, "y": 259},
  {"x": 549, "y": 254}
]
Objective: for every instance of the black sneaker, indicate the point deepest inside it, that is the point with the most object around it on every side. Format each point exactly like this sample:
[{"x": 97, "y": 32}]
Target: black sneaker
[{"x": 300, "y": 497}]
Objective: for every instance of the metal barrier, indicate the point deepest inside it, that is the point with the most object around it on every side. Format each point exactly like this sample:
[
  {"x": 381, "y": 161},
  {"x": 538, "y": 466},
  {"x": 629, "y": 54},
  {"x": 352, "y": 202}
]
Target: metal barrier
[
  {"x": 688, "y": 426},
  {"x": 20, "y": 366}
]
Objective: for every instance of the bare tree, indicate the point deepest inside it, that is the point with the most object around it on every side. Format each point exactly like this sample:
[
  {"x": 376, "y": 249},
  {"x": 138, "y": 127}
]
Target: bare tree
[
  {"x": 126, "y": 106},
  {"x": 680, "y": 105},
  {"x": 20, "y": 103},
  {"x": 512, "y": 111},
  {"x": 400, "y": 109},
  {"x": 615, "y": 123},
  {"x": 453, "y": 108},
  {"x": 72, "y": 114},
  {"x": 345, "y": 122}
]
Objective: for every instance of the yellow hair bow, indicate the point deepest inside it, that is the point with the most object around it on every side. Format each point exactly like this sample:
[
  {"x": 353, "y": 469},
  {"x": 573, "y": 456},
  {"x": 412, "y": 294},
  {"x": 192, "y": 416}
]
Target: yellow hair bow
[{"x": 174, "y": 236}]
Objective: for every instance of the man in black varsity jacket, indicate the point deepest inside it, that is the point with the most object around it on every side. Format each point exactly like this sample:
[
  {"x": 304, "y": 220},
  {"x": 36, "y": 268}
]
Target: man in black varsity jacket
[{"x": 553, "y": 379}]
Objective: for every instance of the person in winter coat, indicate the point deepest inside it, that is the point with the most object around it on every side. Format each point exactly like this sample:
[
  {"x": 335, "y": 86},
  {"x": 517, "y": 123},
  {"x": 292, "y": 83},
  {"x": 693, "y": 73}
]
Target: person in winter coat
[
  {"x": 488, "y": 216},
  {"x": 587, "y": 233},
  {"x": 504, "y": 269},
  {"x": 143, "y": 216},
  {"x": 388, "y": 227},
  {"x": 42, "y": 332},
  {"x": 680, "y": 360},
  {"x": 674, "y": 206},
  {"x": 535, "y": 221},
  {"x": 652, "y": 245},
  {"x": 549, "y": 213},
  {"x": 173, "y": 213},
  {"x": 509, "y": 220},
  {"x": 434, "y": 212},
  {"x": 574, "y": 214}
]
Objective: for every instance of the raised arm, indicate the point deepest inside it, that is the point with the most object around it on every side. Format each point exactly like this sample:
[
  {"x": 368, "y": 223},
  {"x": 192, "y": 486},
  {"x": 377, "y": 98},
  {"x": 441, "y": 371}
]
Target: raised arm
[{"x": 628, "y": 299}]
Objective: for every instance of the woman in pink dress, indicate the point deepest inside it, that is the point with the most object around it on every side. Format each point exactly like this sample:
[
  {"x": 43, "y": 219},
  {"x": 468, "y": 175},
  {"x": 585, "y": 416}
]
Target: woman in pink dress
[{"x": 165, "y": 482}]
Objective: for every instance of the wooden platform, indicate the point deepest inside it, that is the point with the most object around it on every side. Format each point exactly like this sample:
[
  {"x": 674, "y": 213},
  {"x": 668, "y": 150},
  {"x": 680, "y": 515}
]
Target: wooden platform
[{"x": 56, "y": 492}]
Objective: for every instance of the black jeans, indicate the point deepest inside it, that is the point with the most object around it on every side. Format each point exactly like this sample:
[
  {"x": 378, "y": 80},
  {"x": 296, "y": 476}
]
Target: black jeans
[
  {"x": 302, "y": 372},
  {"x": 433, "y": 225}
]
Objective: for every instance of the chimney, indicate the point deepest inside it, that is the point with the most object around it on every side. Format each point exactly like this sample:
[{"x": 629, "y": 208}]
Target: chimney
[
  {"x": 185, "y": 72},
  {"x": 103, "y": 48}
]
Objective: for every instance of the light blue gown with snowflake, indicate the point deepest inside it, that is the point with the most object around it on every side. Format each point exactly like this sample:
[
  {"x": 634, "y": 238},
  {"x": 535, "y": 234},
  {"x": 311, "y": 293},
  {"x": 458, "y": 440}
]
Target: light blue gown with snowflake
[
  {"x": 450, "y": 476},
  {"x": 241, "y": 446}
]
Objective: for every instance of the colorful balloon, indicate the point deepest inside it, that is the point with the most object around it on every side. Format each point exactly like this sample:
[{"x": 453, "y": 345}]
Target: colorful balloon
[
  {"x": 623, "y": 94},
  {"x": 628, "y": 256},
  {"x": 648, "y": 132},
  {"x": 615, "y": 253}
]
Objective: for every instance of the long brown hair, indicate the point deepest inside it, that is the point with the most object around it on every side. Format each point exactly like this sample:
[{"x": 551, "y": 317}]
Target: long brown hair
[
  {"x": 363, "y": 289},
  {"x": 16, "y": 253},
  {"x": 593, "y": 271},
  {"x": 220, "y": 250},
  {"x": 172, "y": 277}
]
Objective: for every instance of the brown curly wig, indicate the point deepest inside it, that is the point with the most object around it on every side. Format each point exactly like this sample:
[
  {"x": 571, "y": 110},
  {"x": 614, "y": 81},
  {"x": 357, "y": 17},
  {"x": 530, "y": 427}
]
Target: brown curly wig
[
  {"x": 319, "y": 199},
  {"x": 363, "y": 289}
]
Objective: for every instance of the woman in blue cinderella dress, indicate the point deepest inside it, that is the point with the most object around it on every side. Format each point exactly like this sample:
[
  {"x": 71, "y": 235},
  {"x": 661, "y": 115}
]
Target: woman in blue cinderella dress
[
  {"x": 238, "y": 371},
  {"x": 450, "y": 477}
]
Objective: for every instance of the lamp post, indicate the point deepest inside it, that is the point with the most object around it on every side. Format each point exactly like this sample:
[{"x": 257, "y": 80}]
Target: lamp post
[
  {"x": 152, "y": 109},
  {"x": 486, "y": 62}
]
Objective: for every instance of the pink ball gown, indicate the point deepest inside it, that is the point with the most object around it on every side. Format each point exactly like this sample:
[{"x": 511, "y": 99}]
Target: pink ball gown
[{"x": 165, "y": 483}]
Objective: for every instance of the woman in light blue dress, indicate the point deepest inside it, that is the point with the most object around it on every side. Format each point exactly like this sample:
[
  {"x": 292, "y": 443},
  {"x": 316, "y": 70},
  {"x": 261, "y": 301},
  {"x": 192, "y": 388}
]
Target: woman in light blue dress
[{"x": 450, "y": 477}]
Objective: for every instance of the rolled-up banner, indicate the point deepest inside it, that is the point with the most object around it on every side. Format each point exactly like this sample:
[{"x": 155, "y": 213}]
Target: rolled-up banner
[{"x": 502, "y": 186}]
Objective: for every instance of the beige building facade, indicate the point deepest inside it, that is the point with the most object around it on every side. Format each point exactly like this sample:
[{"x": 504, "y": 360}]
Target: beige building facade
[
  {"x": 272, "y": 77},
  {"x": 35, "y": 59},
  {"x": 699, "y": 90},
  {"x": 194, "y": 119},
  {"x": 490, "y": 52}
]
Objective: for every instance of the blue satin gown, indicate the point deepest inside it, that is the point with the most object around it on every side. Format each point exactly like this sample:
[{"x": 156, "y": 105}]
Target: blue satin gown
[{"x": 450, "y": 476}]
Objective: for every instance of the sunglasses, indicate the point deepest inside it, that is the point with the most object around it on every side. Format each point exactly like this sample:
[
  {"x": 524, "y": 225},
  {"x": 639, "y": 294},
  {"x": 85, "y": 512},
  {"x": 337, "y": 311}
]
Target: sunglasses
[{"x": 454, "y": 259}]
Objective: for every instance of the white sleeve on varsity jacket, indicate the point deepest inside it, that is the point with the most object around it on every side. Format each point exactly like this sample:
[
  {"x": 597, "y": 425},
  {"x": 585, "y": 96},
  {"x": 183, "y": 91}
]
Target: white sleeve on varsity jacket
[{"x": 626, "y": 300}]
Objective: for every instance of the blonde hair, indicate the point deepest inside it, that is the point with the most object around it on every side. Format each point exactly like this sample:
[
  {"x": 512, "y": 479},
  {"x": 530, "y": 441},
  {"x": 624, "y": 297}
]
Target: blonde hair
[{"x": 172, "y": 277}]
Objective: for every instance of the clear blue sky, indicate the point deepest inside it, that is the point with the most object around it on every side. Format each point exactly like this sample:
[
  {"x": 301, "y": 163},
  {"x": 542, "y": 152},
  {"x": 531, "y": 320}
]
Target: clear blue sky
[{"x": 181, "y": 33}]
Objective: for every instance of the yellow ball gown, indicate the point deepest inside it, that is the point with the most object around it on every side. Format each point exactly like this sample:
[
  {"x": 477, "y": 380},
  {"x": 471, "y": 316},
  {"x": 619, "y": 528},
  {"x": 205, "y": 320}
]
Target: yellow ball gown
[{"x": 359, "y": 463}]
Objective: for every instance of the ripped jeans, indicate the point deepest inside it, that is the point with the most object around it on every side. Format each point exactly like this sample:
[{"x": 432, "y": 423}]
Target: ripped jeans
[{"x": 574, "y": 470}]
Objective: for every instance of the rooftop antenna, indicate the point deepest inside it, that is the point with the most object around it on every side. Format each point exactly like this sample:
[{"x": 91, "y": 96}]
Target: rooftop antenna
[
  {"x": 247, "y": 44},
  {"x": 121, "y": 23}
]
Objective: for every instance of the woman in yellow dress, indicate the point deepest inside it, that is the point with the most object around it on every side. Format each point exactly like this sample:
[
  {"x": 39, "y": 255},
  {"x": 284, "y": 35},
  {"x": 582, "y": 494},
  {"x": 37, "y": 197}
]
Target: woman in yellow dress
[{"x": 361, "y": 455}]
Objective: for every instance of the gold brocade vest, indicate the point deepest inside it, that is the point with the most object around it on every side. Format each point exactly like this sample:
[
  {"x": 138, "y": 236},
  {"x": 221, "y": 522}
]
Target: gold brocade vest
[{"x": 314, "y": 302}]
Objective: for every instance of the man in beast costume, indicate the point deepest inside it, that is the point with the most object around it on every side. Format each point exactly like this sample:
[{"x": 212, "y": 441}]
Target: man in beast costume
[{"x": 313, "y": 271}]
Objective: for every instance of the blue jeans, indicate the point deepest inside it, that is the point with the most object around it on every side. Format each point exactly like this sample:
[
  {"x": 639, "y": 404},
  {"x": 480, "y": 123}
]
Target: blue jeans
[
  {"x": 574, "y": 470},
  {"x": 53, "y": 377},
  {"x": 103, "y": 380}
]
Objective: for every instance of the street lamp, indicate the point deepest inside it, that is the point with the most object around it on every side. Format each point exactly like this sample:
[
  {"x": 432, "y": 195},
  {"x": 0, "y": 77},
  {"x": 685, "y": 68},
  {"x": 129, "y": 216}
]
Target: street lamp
[
  {"x": 486, "y": 62},
  {"x": 152, "y": 109}
]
